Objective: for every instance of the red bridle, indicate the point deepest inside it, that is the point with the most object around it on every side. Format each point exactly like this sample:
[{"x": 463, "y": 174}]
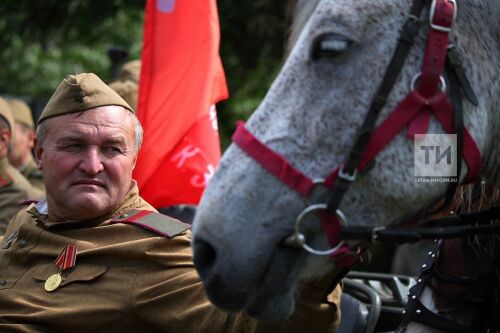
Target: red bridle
[{"x": 414, "y": 112}]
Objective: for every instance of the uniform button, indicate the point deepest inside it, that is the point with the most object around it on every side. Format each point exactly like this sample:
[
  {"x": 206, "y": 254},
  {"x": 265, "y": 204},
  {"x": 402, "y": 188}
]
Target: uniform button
[
  {"x": 22, "y": 243},
  {"x": 3, "y": 283}
]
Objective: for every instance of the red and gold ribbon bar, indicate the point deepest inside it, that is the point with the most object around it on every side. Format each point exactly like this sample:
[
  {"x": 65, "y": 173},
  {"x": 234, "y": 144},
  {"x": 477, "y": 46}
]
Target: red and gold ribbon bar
[{"x": 67, "y": 258}]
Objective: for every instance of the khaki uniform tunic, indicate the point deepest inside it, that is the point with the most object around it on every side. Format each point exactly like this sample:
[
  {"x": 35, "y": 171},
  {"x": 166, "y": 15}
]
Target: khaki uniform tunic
[
  {"x": 34, "y": 176},
  {"x": 14, "y": 189},
  {"x": 126, "y": 279}
]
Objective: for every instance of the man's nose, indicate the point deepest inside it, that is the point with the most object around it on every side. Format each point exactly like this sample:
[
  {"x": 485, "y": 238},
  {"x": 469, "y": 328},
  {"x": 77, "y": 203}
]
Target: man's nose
[{"x": 92, "y": 161}]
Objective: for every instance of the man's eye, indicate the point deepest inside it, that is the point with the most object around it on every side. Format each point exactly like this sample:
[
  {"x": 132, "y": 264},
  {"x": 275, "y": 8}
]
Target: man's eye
[
  {"x": 111, "y": 150},
  {"x": 74, "y": 147}
]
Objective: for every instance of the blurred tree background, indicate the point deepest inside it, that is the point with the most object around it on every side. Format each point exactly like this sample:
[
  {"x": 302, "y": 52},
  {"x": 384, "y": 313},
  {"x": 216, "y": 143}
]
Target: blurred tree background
[{"x": 44, "y": 40}]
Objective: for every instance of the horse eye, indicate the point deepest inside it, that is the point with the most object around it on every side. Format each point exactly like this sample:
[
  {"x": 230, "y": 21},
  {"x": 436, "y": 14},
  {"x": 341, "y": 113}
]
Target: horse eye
[{"x": 330, "y": 46}]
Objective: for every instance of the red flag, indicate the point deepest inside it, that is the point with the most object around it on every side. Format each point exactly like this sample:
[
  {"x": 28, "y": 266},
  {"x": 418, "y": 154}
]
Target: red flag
[{"x": 181, "y": 80}]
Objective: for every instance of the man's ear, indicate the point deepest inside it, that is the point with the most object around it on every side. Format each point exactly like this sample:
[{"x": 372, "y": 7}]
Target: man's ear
[
  {"x": 135, "y": 161},
  {"x": 38, "y": 153},
  {"x": 31, "y": 138},
  {"x": 4, "y": 142}
]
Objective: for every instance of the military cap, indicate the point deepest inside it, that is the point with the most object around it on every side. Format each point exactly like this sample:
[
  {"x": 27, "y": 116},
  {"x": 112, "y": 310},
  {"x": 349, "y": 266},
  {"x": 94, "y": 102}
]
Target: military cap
[
  {"x": 21, "y": 112},
  {"x": 78, "y": 93},
  {"x": 128, "y": 90},
  {"x": 131, "y": 71},
  {"x": 6, "y": 113}
]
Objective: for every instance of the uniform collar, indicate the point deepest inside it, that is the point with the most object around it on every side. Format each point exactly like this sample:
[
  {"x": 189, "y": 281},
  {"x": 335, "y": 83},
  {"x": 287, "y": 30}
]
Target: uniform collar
[{"x": 130, "y": 201}]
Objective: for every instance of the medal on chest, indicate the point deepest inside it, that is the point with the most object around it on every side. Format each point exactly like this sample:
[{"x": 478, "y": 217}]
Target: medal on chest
[{"x": 65, "y": 260}]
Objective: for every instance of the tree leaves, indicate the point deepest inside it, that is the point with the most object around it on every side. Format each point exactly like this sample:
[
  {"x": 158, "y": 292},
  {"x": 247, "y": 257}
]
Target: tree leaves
[{"x": 44, "y": 40}]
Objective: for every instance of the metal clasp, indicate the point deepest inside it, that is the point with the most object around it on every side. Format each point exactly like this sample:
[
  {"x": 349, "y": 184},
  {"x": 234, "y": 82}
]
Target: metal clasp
[
  {"x": 348, "y": 177},
  {"x": 417, "y": 76},
  {"x": 375, "y": 232},
  {"x": 433, "y": 12}
]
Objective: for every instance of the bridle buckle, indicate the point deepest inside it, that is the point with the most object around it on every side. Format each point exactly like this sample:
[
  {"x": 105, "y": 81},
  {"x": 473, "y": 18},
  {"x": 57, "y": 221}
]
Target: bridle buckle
[
  {"x": 433, "y": 12},
  {"x": 346, "y": 176},
  {"x": 375, "y": 232}
]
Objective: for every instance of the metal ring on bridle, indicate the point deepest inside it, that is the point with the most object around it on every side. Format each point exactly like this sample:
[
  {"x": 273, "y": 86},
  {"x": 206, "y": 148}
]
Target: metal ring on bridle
[
  {"x": 419, "y": 74},
  {"x": 297, "y": 239}
]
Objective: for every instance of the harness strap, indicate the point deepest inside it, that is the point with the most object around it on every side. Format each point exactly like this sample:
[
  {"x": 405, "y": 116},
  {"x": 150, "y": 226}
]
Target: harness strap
[
  {"x": 417, "y": 312},
  {"x": 456, "y": 100},
  {"x": 406, "y": 41},
  {"x": 271, "y": 161},
  {"x": 448, "y": 227},
  {"x": 455, "y": 64}
]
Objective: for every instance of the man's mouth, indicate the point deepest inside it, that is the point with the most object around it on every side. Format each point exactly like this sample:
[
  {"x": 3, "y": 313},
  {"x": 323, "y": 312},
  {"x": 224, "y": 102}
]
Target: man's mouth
[{"x": 88, "y": 182}]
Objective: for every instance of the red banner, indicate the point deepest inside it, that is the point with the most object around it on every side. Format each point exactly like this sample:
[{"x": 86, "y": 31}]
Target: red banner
[{"x": 181, "y": 80}]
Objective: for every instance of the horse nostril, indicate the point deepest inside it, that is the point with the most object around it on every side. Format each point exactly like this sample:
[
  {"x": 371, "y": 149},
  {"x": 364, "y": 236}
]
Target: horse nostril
[{"x": 204, "y": 257}]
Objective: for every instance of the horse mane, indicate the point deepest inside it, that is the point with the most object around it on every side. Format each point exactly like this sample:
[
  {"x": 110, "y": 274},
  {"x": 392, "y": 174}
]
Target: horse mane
[
  {"x": 298, "y": 14},
  {"x": 473, "y": 198},
  {"x": 472, "y": 258}
]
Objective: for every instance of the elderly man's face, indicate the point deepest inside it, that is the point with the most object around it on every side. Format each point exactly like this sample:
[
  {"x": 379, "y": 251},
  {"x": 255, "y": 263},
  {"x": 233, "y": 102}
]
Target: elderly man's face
[{"x": 87, "y": 161}]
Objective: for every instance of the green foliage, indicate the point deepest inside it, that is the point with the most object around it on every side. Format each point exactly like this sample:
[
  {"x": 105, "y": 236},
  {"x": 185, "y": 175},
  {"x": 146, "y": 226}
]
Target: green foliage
[
  {"x": 44, "y": 40},
  {"x": 252, "y": 42}
]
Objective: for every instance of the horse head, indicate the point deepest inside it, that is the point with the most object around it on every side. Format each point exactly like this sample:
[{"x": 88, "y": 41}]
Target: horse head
[{"x": 311, "y": 117}]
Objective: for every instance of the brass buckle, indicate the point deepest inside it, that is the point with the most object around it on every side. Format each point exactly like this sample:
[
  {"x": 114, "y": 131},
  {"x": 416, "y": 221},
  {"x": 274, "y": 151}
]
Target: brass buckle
[{"x": 433, "y": 12}]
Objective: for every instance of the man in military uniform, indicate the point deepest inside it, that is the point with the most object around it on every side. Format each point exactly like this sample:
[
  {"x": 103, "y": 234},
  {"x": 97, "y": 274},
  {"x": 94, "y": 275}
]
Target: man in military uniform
[
  {"x": 14, "y": 188},
  {"x": 94, "y": 256},
  {"x": 20, "y": 156},
  {"x": 127, "y": 82}
]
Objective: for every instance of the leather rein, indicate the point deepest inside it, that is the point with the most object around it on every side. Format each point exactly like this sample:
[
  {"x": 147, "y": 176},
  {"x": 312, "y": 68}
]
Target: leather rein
[
  {"x": 487, "y": 304},
  {"x": 426, "y": 98}
]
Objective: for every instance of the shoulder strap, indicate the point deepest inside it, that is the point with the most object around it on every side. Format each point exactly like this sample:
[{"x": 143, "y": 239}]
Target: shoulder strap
[{"x": 158, "y": 223}]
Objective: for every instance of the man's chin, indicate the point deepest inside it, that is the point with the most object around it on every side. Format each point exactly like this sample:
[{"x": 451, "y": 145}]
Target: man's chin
[{"x": 87, "y": 207}]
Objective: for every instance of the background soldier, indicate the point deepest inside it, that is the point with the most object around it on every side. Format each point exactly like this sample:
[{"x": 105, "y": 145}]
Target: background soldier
[
  {"x": 14, "y": 188},
  {"x": 127, "y": 82},
  {"x": 21, "y": 156},
  {"x": 94, "y": 255}
]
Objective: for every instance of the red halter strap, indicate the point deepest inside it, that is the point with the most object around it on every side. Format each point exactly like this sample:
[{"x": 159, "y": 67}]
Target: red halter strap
[{"x": 414, "y": 111}]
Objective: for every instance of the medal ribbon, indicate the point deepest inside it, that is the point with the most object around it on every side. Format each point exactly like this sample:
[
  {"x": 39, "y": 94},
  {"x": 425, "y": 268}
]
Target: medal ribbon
[{"x": 67, "y": 258}]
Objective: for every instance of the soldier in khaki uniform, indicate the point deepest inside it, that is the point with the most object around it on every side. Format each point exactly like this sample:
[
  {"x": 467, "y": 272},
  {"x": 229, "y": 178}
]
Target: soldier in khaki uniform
[
  {"x": 127, "y": 82},
  {"x": 20, "y": 156},
  {"x": 94, "y": 256},
  {"x": 14, "y": 188}
]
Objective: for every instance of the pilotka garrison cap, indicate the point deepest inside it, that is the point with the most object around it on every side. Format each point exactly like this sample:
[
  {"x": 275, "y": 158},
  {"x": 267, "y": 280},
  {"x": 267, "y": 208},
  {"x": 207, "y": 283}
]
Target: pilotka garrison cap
[
  {"x": 6, "y": 114},
  {"x": 78, "y": 93},
  {"x": 131, "y": 71},
  {"x": 128, "y": 90},
  {"x": 21, "y": 112}
]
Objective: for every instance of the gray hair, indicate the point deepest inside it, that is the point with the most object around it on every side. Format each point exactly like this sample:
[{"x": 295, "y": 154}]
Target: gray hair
[{"x": 42, "y": 130}]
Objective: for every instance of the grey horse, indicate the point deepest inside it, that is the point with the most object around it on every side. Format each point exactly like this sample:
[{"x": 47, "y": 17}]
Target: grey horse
[{"x": 310, "y": 116}]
